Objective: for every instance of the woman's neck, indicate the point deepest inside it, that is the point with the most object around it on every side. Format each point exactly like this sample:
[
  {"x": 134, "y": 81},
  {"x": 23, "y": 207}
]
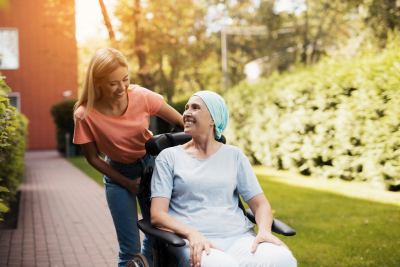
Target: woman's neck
[
  {"x": 202, "y": 147},
  {"x": 111, "y": 107}
]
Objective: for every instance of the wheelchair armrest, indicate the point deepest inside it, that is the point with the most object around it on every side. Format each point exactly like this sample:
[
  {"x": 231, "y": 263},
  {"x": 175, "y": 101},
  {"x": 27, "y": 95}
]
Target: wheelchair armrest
[
  {"x": 277, "y": 226},
  {"x": 164, "y": 236}
]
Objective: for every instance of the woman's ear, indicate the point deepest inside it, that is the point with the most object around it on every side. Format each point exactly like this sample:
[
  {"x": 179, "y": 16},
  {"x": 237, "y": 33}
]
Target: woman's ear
[{"x": 96, "y": 81}]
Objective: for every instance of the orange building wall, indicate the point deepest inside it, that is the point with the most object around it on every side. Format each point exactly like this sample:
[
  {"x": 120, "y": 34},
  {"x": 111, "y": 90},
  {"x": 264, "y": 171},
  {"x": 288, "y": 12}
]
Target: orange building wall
[{"x": 47, "y": 62}]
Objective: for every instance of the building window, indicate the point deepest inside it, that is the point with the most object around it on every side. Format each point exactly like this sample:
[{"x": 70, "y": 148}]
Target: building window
[
  {"x": 9, "y": 49},
  {"x": 15, "y": 100}
]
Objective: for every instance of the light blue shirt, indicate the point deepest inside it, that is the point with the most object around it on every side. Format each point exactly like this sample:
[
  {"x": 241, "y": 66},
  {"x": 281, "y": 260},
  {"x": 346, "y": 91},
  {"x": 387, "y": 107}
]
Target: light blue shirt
[{"x": 204, "y": 193}]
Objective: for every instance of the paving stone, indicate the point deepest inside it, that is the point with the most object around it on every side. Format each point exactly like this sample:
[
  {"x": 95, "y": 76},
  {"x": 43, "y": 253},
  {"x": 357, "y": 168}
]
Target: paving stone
[{"x": 63, "y": 218}]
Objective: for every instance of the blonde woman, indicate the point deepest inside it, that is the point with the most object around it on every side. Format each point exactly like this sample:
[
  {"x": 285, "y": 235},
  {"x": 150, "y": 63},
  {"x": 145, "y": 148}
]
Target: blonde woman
[{"x": 112, "y": 116}]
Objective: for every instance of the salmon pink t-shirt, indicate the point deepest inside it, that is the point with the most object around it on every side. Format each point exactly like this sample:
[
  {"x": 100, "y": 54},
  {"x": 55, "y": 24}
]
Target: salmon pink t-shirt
[{"x": 121, "y": 138}]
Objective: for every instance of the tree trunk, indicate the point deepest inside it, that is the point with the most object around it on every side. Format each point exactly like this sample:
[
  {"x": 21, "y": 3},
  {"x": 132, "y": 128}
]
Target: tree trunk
[
  {"x": 108, "y": 24},
  {"x": 144, "y": 69},
  {"x": 305, "y": 40}
]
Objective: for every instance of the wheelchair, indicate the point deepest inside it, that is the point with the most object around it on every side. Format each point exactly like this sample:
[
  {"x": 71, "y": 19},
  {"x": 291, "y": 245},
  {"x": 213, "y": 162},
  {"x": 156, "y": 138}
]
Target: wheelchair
[{"x": 161, "y": 256}]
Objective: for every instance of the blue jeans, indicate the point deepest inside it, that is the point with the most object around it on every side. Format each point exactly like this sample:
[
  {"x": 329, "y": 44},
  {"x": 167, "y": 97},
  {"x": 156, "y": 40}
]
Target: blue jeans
[{"x": 123, "y": 208}]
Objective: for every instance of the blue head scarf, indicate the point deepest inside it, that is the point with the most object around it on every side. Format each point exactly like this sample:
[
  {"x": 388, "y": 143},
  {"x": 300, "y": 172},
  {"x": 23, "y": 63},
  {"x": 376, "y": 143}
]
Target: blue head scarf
[{"x": 218, "y": 110}]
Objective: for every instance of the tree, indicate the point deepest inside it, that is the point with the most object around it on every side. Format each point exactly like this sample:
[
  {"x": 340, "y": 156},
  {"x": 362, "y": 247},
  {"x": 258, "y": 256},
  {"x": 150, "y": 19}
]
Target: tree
[
  {"x": 4, "y": 4},
  {"x": 107, "y": 22},
  {"x": 170, "y": 43},
  {"x": 384, "y": 15}
]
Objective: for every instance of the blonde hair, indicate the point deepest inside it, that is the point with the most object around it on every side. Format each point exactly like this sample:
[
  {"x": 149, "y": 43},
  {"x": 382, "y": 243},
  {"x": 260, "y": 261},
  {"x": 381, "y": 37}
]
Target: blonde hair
[{"x": 103, "y": 62}]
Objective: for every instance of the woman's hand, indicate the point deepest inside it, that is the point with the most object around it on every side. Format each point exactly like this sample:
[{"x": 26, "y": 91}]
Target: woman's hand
[
  {"x": 133, "y": 185},
  {"x": 90, "y": 150},
  {"x": 266, "y": 237},
  {"x": 164, "y": 221},
  {"x": 198, "y": 243}
]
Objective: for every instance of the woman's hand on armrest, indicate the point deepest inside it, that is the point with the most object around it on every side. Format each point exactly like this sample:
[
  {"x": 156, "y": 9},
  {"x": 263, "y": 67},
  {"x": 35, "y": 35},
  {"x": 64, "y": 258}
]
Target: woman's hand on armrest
[
  {"x": 162, "y": 220},
  {"x": 263, "y": 214}
]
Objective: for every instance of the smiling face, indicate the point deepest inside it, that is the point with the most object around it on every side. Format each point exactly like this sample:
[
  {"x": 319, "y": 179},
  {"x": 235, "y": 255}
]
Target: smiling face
[
  {"x": 197, "y": 118},
  {"x": 114, "y": 85}
]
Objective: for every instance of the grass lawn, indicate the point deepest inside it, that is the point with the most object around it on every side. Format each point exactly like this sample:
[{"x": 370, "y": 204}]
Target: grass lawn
[{"x": 333, "y": 229}]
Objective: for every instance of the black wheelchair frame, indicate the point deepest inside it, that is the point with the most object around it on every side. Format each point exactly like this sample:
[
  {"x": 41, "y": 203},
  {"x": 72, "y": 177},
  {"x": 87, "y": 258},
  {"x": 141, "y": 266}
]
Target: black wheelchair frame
[{"x": 161, "y": 256}]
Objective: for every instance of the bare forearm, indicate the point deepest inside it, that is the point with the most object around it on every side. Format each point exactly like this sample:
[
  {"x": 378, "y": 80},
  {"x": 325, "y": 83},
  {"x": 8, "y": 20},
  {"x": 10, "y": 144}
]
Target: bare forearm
[
  {"x": 164, "y": 221},
  {"x": 100, "y": 165},
  {"x": 262, "y": 212},
  {"x": 264, "y": 217},
  {"x": 169, "y": 114}
]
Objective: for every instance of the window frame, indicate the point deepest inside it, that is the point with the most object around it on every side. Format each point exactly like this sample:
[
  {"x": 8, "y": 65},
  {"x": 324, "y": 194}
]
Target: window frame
[
  {"x": 17, "y": 50},
  {"x": 18, "y": 97}
]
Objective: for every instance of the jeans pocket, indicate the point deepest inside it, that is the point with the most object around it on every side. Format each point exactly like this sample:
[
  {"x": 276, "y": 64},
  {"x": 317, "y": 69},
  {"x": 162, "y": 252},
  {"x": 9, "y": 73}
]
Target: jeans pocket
[
  {"x": 109, "y": 181},
  {"x": 115, "y": 165}
]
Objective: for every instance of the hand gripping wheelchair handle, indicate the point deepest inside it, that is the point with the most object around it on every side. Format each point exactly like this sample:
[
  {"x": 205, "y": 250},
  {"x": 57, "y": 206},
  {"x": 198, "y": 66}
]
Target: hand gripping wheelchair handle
[
  {"x": 278, "y": 227},
  {"x": 164, "y": 236}
]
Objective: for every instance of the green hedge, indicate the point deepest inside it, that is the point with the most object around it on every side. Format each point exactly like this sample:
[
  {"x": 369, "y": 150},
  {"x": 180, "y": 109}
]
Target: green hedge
[
  {"x": 64, "y": 119},
  {"x": 332, "y": 120},
  {"x": 13, "y": 131}
]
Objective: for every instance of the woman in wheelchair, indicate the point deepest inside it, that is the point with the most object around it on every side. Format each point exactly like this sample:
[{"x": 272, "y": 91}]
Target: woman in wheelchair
[{"x": 195, "y": 190}]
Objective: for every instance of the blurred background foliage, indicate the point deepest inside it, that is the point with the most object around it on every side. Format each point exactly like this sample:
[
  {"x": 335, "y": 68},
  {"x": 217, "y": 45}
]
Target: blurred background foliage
[
  {"x": 325, "y": 102},
  {"x": 62, "y": 113},
  {"x": 175, "y": 47},
  {"x": 335, "y": 119}
]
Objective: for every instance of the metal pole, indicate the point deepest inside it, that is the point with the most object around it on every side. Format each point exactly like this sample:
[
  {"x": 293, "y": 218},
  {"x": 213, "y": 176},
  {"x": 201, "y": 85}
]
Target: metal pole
[
  {"x": 67, "y": 137},
  {"x": 224, "y": 55}
]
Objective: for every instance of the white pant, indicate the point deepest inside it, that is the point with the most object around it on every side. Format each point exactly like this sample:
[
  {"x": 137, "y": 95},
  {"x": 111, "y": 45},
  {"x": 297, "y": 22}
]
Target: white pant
[{"x": 237, "y": 252}]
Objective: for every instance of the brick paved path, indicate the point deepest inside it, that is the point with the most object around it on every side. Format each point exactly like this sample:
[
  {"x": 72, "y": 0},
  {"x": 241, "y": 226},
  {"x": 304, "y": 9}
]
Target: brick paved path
[{"x": 63, "y": 219}]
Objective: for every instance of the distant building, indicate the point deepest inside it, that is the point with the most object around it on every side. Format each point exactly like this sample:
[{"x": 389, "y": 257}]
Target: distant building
[{"x": 38, "y": 55}]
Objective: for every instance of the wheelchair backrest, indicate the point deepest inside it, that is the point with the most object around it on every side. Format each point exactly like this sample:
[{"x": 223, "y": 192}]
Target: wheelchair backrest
[{"x": 157, "y": 143}]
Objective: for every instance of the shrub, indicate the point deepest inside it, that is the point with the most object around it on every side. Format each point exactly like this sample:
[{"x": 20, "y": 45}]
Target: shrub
[
  {"x": 63, "y": 118},
  {"x": 13, "y": 131},
  {"x": 332, "y": 120}
]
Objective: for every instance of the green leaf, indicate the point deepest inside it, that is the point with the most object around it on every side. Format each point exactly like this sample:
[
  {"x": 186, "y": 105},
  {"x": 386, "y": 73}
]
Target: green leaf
[
  {"x": 3, "y": 189},
  {"x": 3, "y": 208}
]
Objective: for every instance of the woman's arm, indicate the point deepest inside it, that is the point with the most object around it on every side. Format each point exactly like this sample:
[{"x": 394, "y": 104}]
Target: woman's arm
[
  {"x": 162, "y": 220},
  {"x": 261, "y": 208},
  {"x": 169, "y": 114},
  {"x": 90, "y": 151}
]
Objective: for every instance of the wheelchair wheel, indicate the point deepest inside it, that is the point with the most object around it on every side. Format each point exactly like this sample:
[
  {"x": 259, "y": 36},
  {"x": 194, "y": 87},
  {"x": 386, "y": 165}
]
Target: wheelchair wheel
[{"x": 139, "y": 260}]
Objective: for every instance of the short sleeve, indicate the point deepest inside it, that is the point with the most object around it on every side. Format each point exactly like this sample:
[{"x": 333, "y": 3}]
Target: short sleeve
[
  {"x": 162, "y": 180},
  {"x": 248, "y": 185},
  {"x": 82, "y": 132},
  {"x": 154, "y": 101}
]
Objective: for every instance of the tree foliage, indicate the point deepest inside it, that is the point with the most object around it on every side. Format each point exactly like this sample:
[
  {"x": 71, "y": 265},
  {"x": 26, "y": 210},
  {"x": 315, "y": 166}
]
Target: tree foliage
[
  {"x": 169, "y": 41},
  {"x": 175, "y": 46}
]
